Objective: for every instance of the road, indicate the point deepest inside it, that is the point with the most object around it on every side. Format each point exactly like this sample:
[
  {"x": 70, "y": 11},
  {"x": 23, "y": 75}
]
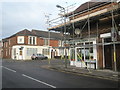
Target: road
[{"x": 29, "y": 74}]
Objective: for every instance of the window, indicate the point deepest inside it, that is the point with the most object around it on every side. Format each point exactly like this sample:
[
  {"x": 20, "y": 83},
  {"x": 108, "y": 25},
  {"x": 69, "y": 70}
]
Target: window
[
  {"x": 46, "y": 41},
  {"x": 32, "y": 40},
  {"x": 31, "y": 51},
  {"x": 9, "y": 41},
  {"x": 80, "y": 54},
  {"x": 85, "y": 52},
  {"x": 45, "y": 51},
  {"x": 20, "y": 40}
]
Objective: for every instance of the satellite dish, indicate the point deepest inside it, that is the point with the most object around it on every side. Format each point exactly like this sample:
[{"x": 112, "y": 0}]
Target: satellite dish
[{"x": 77, "y": 31}]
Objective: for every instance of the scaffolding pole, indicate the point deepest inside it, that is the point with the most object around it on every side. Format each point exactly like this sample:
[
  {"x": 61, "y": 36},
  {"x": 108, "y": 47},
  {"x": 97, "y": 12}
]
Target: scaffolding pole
[{"x": 113, "y": 28}]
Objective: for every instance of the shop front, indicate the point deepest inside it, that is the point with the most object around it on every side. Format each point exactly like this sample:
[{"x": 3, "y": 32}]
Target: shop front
[{"x": 84, "y": 54}]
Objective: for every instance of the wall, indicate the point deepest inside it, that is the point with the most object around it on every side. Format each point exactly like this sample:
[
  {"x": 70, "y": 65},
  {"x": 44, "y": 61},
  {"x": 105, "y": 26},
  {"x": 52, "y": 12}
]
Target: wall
[
  {"x": 54, "y": 43},
  {"x": 24, "y": 52},
  {"x": 12, "y": 41}
]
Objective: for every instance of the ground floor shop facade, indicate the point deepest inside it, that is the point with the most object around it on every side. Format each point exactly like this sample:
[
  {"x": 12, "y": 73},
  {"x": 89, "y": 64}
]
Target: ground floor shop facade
[
  {"x": 84, "y": 54},
  {"x": 96, "y": 53},
  {"x": 24, "y": 52}
]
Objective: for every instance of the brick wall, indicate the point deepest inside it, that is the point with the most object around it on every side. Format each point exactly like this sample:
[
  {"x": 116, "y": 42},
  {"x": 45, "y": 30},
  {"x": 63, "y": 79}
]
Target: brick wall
[
  {"x": 54, "y": 43},
  {"x": 40, "y": 41},
  {"x": 7, "y": 45}
]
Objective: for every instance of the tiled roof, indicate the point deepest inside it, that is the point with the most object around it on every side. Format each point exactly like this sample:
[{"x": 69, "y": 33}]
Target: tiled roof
[
  {"x": 25, "y": 32},
  {"x": 45, "y": 34},
  {"x": 39, "y": 33},
  {"x": 91, "y": 4}
]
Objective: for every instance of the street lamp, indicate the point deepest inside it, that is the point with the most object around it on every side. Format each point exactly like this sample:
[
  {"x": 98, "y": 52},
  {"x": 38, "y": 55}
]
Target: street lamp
[
  {"x": 48, "y": 25},
  {"x": 62, "y": 8},
  {"x": 58, "y": 6}
]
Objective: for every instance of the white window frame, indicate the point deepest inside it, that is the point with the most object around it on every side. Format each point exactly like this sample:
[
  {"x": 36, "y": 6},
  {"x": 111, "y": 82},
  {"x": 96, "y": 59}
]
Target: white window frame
[
  {"x": 18, "y": 40},
  {"x": 9, "y": 41},
  {"x": 46, "y": 43},
  {"x": 32, "y": 40},
  {"x": 31, "y": 51}
]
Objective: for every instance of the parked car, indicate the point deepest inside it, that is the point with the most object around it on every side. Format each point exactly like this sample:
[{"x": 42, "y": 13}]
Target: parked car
[{"x": 38, "y": 56}]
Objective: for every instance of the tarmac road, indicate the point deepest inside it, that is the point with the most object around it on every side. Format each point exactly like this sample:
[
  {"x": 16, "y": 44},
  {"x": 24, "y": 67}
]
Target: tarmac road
[{"x": 29, "y": 74}]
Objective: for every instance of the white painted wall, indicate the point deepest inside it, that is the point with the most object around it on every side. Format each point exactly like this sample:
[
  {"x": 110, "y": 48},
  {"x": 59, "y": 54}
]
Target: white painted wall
[{"x": 24, "y": 51}]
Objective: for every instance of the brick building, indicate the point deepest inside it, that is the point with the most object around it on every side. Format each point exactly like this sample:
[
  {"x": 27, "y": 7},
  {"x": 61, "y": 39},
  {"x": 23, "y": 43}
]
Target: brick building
[
  {"x": 25, "y": 43},
  {"x": 98, "y": 40}
]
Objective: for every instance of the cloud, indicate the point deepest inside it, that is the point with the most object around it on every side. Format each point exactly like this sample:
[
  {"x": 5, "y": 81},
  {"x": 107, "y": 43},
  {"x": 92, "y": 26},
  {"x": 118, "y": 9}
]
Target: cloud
[{"x": 30, "y": 14}]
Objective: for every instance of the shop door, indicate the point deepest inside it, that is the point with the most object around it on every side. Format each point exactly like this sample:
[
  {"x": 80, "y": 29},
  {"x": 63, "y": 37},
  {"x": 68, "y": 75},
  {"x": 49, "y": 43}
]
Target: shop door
[{"x": 108, "y": 56}]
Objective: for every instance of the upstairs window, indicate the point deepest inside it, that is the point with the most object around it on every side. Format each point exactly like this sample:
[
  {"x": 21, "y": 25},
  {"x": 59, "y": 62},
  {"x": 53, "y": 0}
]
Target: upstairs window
[
  {"x": 32, "y": 40},
  {"x": 20, "y": 39},
  {"x": 46, "y": 41}
]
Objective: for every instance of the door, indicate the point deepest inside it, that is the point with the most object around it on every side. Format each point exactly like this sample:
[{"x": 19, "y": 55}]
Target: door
[
  {"x": 108, "y": 56},
  {"x": 108, "y": 53},
  {"x": 21, "y": 53}
]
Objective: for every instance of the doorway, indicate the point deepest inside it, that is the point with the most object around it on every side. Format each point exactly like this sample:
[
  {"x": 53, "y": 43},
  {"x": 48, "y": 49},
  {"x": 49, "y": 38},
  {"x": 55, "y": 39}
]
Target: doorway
[{"x": 108, "y": 55}]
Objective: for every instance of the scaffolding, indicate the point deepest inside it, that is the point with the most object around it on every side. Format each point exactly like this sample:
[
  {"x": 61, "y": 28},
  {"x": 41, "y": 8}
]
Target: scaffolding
[{"x": 113, "y": 9}]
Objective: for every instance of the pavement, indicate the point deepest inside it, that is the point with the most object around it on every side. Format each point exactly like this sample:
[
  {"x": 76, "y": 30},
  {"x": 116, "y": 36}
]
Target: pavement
[{"x": 95, "y": 73}]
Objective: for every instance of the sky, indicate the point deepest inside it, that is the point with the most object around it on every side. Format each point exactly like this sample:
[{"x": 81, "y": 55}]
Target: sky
[{"x": 17, "y": 15}]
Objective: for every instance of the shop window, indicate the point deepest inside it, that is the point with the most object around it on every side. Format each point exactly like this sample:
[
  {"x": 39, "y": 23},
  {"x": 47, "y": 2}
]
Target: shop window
[
  {"x": 45, "y": 51},
  {"x": 31, "y": 51},
  {"x": 80, "y": 54},
  {"x": 72, "y": 54},
  {"x": 80, "y": 44}
]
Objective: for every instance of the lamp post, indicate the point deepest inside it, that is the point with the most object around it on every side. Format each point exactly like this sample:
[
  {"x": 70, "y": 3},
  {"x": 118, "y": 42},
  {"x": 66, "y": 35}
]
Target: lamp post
[
  {"x": 48, "y": 25},
  {"x": 62, "y": 8}
]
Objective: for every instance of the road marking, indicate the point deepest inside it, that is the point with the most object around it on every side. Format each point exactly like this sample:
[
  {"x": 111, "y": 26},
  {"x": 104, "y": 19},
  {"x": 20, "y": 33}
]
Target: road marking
[
  {"x": 9, "y": 69},
  {"x": 38, "y": 81}
]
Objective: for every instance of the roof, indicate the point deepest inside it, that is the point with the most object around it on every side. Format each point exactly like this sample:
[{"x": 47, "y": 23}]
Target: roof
[
  {"x": 45, "y": 34},
  {"x": 25, "y": 32},
  {"x": 91, "y": 4},
  {"x": 39, "y": 33}
]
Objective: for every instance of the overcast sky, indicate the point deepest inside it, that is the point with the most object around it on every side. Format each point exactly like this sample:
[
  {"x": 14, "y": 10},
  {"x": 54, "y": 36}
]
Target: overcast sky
[{"x": 16, "y": 15}]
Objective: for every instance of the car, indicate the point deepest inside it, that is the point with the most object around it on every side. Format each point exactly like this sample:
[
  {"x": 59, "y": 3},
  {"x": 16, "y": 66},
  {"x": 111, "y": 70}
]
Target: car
[{"x": 38, "y": 56}]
